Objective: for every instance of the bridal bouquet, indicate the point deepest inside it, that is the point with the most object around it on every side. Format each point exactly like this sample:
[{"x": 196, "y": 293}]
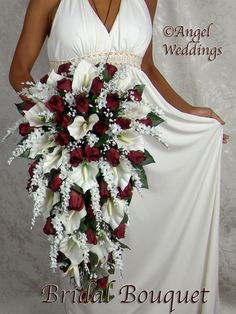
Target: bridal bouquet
[{"x": 83, "y": 128}]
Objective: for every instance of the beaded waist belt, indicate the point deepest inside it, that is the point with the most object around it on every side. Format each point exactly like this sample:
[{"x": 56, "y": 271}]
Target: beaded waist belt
[{"x": 114, "y": 57}]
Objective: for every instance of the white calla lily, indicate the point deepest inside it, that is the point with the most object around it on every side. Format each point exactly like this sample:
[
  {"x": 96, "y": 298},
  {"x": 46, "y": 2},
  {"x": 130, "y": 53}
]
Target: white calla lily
[
  {"x": 102, "y": 250},
  {"x": 53, "y": 78},
  {"x": 121, "y": 174},
  {"x": 49, "y": 201},
  {"x": 71, "y": 247},
  {"x": 135, "y": 111},
  {"x": 54, "y": 159},
  {"x": 83, "y": 75},
  {"x": 80, "y": 127},
  {"x": 130, "y": 140},
  {"x": 38, "y": 115},
  {"x": 72, "y": 222},
  {"x": 42, "y": 145},
  {"x": 113, "y": 212},
  {"x": 73, "y": 271},
  {"x": 85, "y": 175}
]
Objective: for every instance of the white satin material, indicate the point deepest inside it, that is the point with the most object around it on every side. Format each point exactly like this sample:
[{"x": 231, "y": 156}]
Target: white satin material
[{"x": 173, "y": 231}]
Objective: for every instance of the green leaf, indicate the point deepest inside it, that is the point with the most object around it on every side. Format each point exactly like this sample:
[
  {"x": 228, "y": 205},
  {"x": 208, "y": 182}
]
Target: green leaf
[
  {"x": 148, "y": 158},
  {"x": 125, "y": 219},
  {"x": 139, "y": 88},
  {"x": 155, "y": 118},
  {"x": 142, "y": 176},
  {"x": 82, "y": 227},
  {"x": 26, "y": 153},
  {"x": 124, "y": 246},
  {"x": 20, "y": 107},
  {"x": 93, "y": 258},
  {"x": 105, "y": 76},
  {"x": 22, "y": 140},
  {"x": 103, "y": 139},
  {"x": 77, "y": 188}
]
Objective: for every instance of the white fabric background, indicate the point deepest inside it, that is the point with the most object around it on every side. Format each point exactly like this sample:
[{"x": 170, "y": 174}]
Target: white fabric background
[{"x": 24, "y": 253}]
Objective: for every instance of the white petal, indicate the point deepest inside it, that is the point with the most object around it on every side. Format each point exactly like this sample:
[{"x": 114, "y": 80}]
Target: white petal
[
  {"x": 83, "y": 75},
  {"x": 85, "y": 175},
  {"x": 53, "y": 160},
  {"x": 122, "y": 174},
  {"x": 136, "y": 111},
  {"x": 113, "y": 214},
  {"x": 33, "y": 115},
  {"x": 72, "y": 222},
  {"x": 130, "y": 140},
  {"x": 80, "y": 127},
  {"x": 53, "y": 78},
  {"x": 70, "y": 247},
  {"x": 102, "y": 251},
  {"x": 50, "y": 200},
  {"x": 41, "y": 146}
]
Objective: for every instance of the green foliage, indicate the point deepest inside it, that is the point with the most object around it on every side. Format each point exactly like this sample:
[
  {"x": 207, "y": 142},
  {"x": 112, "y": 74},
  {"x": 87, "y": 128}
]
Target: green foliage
[
  {"x": 148, "y": 158},
  {"x": 142, "y": 176},
  {"x": 155, "y": 118}
]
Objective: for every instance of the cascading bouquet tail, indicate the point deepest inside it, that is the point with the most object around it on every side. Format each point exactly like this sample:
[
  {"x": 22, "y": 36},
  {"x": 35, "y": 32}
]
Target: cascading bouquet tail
[{"x": 83, "y": 128}]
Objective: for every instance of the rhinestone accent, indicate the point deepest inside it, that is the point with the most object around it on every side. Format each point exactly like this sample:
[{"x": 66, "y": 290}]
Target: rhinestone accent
[{"x": 114, "y": 57}]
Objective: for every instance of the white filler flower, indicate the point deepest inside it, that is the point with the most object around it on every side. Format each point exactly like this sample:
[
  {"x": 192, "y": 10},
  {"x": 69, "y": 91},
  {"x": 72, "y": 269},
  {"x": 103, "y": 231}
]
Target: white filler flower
[{"x": 80, "y": 127}]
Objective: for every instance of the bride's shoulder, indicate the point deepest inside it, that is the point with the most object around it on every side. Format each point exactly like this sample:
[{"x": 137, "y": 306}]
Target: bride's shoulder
[
  {"x": 41, "y": 10},
  {"x": 42, "y": 6}
]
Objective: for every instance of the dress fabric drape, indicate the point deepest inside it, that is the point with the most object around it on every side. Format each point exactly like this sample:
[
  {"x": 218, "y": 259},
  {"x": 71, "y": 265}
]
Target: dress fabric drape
[{"x": 174, "y": 225}]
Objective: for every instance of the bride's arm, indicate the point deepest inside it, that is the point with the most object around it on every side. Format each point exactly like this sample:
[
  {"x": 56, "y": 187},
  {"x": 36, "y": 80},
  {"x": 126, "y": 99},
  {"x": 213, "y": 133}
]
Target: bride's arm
[
  {"x": 163, "y": 86},
  {"x": 35, "y": 29}
]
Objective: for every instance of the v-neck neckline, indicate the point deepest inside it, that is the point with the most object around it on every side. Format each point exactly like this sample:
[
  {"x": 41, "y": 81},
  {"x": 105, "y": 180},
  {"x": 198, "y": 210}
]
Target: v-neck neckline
[{"x": 100, "y": 21}]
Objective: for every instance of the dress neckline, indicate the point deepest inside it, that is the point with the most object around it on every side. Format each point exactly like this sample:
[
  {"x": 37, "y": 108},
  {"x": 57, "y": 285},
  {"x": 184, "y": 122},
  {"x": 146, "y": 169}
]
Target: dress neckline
[{"x": 99, "y": 20}]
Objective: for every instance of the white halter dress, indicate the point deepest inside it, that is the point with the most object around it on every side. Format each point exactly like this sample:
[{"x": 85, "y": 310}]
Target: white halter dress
[{"x": 173, "y": 232}]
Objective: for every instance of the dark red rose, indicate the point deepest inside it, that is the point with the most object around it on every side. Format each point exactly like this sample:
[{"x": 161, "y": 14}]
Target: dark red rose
[
  {"x": 76, "y": 156},
  {"x": 127, "y": 192},
  {"x": 76, "y": 201},
  {"x": 55, "y": 183},
  {"x": 28, "y": 104},
  {"x": 113, "y": 101},
  {"x": 91, "y": 236},
  {"x": 96, "y": 86},
  {"x": 25, "y": 129},
  {"x": 147, "y": 121},
  {"x": 48, "y": 227},
  {"x": 100, "y": 127},
  {"x": 92, "y": 153},
  {"x": 64, "y": 68},
  {"x": 104, "y": 192},
  {"x": 113, "y": 156},
  {"x": 111, "y": 69},
  {"x": 102, "y": 282},
  {"x": 119, "y": 232},
  {"x": 62, "y": 120},
  {"x": 55, "y": 103},
  {"x": 136, "y": 94},
  {"x": 124, "y": 123},
  {"x": 90, "y": 212},
  {"x": 64, "y": 85},
  {"x": 82, "y": 103},
  {"x": 44, "y": 79},
  {"x": 31, "y": 168},
  {"x": 62, "y": 138},
  {"x": 136, "y": 157}
]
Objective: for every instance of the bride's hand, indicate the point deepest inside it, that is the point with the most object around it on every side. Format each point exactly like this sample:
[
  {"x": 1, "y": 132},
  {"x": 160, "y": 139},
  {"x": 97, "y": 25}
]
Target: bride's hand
[{"x": 208, "y": 112}]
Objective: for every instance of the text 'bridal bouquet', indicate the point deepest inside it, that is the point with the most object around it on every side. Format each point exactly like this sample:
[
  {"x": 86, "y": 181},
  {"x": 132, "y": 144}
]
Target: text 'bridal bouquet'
[{"x": 83, "y": 128}]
